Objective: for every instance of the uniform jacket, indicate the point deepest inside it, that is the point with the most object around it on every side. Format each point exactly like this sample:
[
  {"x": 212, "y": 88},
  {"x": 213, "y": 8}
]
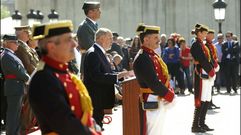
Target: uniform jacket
[
  {"x": 27, "y": 56},
  {"x": 12, "y": 67},
  {"x": 86, "y": 34},
  {"x": 50, "y": 102},
  {"x": 99, "y": 79},
  {"x": 149, "y": 73},
  {"x": 202, "y": 62},
  {"x": 233, "y": 51}
]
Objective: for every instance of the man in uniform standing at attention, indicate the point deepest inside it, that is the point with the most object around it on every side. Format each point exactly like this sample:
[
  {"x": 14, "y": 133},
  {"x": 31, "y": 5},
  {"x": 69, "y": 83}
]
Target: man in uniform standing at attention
[
  {"x": 155, "y": 87},
  {"x": 58, "y": 98},
  {"x": 30, "y": 60},
  {"x": 14, "y": 84},
  {"x": 24, "y": 52},
  {"x": 203, "y": 79},
  {"x": 87, "y": 29}
]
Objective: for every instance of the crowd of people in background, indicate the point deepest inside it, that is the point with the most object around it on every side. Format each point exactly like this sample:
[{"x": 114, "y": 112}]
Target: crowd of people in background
[
  {"x": 174, "y": 50},
  {"x": 120, "y": 53}
]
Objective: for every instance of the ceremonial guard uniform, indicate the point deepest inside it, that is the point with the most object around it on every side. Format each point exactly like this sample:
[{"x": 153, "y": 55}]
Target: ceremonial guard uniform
[
  {"x": 214, "y": 61},
  {"x": 204, "y": 78},
  {"x": 155, "y": 87},
  {"x": 15, "y": 78},
  {"x": 59, "y": 99}
]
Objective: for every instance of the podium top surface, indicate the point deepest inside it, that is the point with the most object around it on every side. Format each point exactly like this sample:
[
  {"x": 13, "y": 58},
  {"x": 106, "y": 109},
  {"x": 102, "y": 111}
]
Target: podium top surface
[{"x": 129, "y": 79}]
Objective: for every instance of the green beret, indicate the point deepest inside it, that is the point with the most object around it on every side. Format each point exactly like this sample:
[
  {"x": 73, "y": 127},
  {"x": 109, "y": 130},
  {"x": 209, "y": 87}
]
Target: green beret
[
  {"x": 51, "y": 29},
  {"x": 91, "y": 5},
  {"x": 147, "y": 29}
]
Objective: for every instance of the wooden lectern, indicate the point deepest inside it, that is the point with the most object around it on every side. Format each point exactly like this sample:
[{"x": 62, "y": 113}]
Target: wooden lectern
[{"x": 130, "y": 101}]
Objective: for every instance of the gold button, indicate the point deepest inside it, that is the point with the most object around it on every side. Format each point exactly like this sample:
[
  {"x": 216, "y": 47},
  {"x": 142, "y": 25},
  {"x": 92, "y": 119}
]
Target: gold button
[
  {"x": 65, "y": 84},
  {"x": 61, "y": 65},
  {"x": 57, "y": 75},
  {"x": 72, "y": 108},
  {"x": 70, "y": 95}
]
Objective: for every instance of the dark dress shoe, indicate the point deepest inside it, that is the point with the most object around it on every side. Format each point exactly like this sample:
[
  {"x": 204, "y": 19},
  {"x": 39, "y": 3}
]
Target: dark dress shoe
[
  {"x": 198, "y": 130},
  {"x": 215, "y": 107},
  {"x": 205, "y": 127}
]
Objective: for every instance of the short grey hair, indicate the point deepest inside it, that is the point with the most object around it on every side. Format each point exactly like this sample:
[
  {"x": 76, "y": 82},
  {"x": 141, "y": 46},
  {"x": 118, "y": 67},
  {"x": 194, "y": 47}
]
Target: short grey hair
[
  {"x": 100, "y": 32},
  {"x": 43, "y": 42}
]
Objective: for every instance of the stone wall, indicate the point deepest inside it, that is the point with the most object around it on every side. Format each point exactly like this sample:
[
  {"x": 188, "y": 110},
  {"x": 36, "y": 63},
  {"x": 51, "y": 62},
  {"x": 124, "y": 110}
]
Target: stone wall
[{"x": 123, "y": 16}]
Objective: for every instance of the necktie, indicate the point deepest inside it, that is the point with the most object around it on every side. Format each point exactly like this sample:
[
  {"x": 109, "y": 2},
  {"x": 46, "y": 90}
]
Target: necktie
[{"x": 229, "y": 45}]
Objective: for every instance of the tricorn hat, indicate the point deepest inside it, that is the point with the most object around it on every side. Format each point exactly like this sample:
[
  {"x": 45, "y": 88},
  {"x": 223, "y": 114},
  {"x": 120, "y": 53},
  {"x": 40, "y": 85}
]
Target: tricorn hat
[
  {"x": 51, "y": 29},
  {"x": 147, "y": 29}
]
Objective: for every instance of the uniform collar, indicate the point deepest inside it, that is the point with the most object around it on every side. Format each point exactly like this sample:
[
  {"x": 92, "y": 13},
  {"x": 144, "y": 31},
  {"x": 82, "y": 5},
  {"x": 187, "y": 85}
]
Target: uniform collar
[
  {"x": 148, "y": 50},
  {"x": 94, "y": 22},
  {"x": 9, "y": 50},
  {"x": 55, "y": 64}
]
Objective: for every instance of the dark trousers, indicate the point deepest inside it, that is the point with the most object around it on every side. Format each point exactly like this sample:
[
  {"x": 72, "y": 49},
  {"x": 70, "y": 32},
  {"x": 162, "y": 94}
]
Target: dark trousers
[
  {"x": 3, "y": 103},
  {"x": 13, "y": 114},
  {"x": 175, "y": 71},
  {"x": 231, "y": 75},
  {"x": 219, "y": 76},
  {"x": 98, "y": 115},
  {"x": 186, "y": 70}
]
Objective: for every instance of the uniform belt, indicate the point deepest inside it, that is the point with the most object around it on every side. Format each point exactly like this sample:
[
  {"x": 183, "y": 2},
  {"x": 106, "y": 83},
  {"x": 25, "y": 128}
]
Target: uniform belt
[
  {"x": 51, "y": 133},
  {"x": 10, "y": 76},
  {"x": 146, "y": 91}
]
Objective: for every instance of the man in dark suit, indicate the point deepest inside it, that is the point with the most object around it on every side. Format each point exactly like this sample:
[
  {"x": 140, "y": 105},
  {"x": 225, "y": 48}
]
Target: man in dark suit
[
  {"x": 15, "y": 78},
  {"x": 58, "y": 98},
  {"x": 230, "y": 60},
  {"x": 87, "y": 29},
  {"x": 98, "y": 76}
]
